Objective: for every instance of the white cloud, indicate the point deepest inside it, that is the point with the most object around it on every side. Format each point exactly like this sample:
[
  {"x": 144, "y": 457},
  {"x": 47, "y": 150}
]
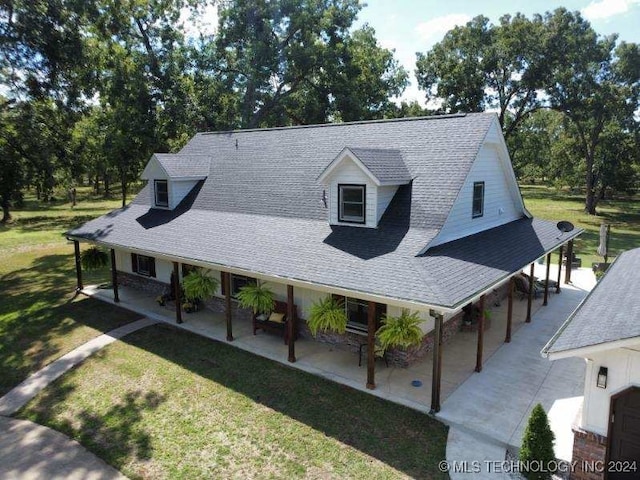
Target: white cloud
[
  {"x": 432, "y": 30},
  {"x": 598, "y": 10}
]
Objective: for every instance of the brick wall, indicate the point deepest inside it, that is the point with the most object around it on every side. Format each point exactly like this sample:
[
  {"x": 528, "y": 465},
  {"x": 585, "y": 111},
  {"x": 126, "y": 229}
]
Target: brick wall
[
  {"x": 217, "y": 305},
  {"x": 588, "y": 448},
  {"x": 145, "y": 284}
]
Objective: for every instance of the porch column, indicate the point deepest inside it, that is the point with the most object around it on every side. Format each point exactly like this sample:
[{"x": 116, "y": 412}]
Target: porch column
[
  {"x": 567, "y": 272},
  {"x": 436, "y": 379},
  {"x": 530, "y": 299},
  {"x": 176, "y": 292},
  {"x": 507, "y": 338},
  {"x": 291, "y": 320},
  {"x": 546, "y": 282},
  {"x": 480, "y": 336},
  {"x": 76, "y": 248},
  {"x": 114, "y": 276},
  {"x": 226, "y": 278},
  {"x": 371, "y": 345},
  {"x": 559, "y": 268}
]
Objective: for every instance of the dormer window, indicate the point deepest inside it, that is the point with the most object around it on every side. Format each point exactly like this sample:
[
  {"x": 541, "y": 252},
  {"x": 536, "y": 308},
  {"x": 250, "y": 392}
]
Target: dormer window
[
  {"x": 161, "y": 193},
  {"x": 478, "y": 199},
  {"x": 351, "y": 203}
]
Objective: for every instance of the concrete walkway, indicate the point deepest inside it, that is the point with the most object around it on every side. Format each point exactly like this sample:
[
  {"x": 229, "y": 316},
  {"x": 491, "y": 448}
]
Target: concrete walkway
[
  {"x": 33, "y": 452},
  {"x": 488, "y": 413}
]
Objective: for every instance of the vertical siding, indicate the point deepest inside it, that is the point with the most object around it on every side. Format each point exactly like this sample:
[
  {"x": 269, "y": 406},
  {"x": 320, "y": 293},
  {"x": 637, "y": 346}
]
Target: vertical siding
[
  {"x": 500, "y": 206},
  {"x": 349, "y": 172},
  {"x": 385, "y": 194}
]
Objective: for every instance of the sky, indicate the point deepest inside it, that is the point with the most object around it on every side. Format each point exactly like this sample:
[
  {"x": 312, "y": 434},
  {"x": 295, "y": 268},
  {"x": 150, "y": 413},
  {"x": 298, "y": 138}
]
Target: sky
[{"x": 411, "y": 26}]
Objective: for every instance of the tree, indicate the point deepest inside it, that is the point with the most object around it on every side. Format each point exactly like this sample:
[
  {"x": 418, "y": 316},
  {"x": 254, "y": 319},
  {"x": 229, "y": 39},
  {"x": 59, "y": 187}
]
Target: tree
[{"x": 537, "y": 445}]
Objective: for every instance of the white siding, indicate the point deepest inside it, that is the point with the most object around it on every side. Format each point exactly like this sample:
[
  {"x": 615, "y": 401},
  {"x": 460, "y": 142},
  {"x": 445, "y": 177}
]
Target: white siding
[
  {"x": 349, "y": 173},
  {"x": 178, "y": 189},
  {"x": 385, "y": 194},
  {"x": 163, "y": 268},
  {"x": 501, "y": 205},
  {"x": 623, "y": 366}
]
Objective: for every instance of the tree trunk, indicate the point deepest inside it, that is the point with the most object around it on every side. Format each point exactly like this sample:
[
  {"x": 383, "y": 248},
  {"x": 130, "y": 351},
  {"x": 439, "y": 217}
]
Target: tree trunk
[
  {"x": 96, "y": 184},
  {"x": 6, "y": 216},
  {"x": 591, "y": 199},
  {"x": 107, "y": 185},
  {"x": 123, "y": 183}
]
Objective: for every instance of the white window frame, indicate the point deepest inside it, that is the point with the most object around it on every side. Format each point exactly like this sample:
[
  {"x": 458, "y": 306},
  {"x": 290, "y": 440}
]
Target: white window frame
[
  {"x": 474, "y": 213},
  {"x": 349, "y": 219},
  {"x": 155, "y": 193}
]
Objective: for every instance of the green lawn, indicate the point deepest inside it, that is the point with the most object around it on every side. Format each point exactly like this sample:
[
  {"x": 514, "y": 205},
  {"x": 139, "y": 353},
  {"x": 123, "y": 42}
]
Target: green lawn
[
  {"x": 165, "y": 403},
  {"x": 623, "y": 215}
]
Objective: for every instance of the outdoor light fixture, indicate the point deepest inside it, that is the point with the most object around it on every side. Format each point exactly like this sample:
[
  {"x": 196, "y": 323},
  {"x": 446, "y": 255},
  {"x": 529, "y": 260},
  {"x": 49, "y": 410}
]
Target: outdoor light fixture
[{"x": 602, "y": 377}]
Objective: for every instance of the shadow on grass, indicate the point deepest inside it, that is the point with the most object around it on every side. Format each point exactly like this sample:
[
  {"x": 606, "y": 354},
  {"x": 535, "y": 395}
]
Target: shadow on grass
[
  {"x": 403, "y": 438},
  {"x": 40, "y": 318}
]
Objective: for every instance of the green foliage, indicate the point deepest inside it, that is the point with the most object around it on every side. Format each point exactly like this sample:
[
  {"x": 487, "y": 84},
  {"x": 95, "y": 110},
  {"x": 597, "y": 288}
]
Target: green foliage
[
  {"x": 257, "y": 297},
  {"x": 537, "y": 444},
  {"x": 198, "y": 285},
  {"x": 402, "y": 332},
  {"x": 327, "y": 314},
  {"x": 94, "y": 259}
]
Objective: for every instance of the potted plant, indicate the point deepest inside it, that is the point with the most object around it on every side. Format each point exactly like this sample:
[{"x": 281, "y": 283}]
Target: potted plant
[
  {"x": 162, "y": 301},
  {"x": 258, "y": 297},
  {"x": 93, "y": 259},
  {"x": 327, "y": 314},
  {"x": 400, "y": 332},
  {"x": 198, "y": 286}
]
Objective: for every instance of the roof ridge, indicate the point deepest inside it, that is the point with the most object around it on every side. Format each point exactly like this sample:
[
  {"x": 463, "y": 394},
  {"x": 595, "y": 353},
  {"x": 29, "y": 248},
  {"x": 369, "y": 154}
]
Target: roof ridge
[{"x": 341, "y": 124}]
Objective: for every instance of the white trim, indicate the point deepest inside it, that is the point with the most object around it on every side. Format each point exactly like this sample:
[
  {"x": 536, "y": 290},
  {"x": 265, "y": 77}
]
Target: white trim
[
  {"x": 591, "y": 349},
  {"x": 347, "y": 154}
]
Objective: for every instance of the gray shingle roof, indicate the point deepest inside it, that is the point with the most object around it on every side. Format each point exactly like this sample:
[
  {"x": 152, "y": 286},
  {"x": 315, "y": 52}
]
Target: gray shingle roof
[
  {"x": 387, "y": 165},
  {"x": 260, "y": 210},
  {"x": 610, "y": 312},
  {"x": 179, "y": 165}
]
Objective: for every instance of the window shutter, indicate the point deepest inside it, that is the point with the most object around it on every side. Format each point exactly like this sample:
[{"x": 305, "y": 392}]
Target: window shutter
[
  {"x": 134, "y": 263},
  {"x": 152, "y": 267}
]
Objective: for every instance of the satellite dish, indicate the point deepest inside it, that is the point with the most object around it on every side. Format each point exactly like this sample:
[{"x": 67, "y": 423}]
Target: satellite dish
[{"x": 564, "y": 226}]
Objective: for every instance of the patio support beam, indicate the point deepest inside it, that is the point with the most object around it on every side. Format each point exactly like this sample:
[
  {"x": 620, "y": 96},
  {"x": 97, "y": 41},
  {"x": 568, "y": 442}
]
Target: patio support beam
[
  {"x": 569, "y": 262},
  {"x": 436, "y": 378},
  {"x": 480, "y": 336},
  {"x": 559, "y": 267},
  {"x": 76, "y": 248},
  {"x": 371, "y": 345},
  {"x": 530, "y": 299},
  {"x": 114, "y": 276},
  {"x": 291, "y": 326},
  {"x": 507, "y": 338},
  {"x": 226, "y": 278},
  {"x": 176, "y": 292},
  {"x": 546, "y": 281}
]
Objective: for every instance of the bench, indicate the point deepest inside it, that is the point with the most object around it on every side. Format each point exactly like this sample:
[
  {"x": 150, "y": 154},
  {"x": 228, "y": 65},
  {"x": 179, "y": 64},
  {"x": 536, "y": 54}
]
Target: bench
[{"x": 280, "y": 328}]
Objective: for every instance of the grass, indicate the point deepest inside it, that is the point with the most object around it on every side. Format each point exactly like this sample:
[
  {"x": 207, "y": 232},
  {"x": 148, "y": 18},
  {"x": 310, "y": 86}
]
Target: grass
[
  {"x": 165, "y": 403},
  {"x": 623, "y": 215},
  {"x": 40, "y": 317}
]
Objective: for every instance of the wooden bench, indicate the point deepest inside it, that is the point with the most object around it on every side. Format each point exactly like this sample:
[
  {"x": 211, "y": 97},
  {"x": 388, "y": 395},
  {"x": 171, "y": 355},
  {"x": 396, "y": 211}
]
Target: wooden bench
[{"x": 277, "y": 327}]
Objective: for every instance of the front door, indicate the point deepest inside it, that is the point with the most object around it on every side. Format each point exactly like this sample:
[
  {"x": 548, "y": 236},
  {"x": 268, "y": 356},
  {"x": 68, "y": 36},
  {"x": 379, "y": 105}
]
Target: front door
[{"x": 624, "y": 441}]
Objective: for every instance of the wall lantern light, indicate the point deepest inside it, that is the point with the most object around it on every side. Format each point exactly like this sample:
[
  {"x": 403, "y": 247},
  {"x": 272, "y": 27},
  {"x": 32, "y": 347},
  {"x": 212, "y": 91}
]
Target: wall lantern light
[{"x": 601, "y": 382}]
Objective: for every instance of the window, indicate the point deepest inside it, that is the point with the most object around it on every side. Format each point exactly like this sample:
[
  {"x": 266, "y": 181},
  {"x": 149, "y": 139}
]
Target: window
[
  {"x": 351, "y": 203},
  {"x": 237, "y": 282},
  {"x": 358, "y": 313},
  {"x": 478, "y": 199},
  {"x": 162, "y": 193},
  {"x": 143, "y": 265}
]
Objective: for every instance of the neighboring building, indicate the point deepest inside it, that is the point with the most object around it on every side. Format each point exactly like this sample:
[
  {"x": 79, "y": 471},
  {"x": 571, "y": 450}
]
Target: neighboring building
[
  {"x": 605, "y": 331},
  {"x": 418, "y": 213}
]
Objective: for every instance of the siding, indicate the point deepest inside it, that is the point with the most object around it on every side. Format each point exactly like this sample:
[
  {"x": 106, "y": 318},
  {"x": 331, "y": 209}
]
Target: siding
[
  {"x": 349, "y": 172},
  {"x": 500, "y": 204},
  {"x": 163, "y": 268},
  {"x": 178, "y": 189},
  {"x": 385, "y": 194}
]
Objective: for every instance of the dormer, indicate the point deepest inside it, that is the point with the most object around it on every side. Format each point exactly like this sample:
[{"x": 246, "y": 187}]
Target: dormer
[
  {"x": 172, "y": 176},
  {"x": 361, "y": 183}
]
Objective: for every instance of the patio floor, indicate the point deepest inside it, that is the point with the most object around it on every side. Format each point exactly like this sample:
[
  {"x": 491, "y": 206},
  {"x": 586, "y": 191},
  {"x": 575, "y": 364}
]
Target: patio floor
[{"x": 339, "y": 363}]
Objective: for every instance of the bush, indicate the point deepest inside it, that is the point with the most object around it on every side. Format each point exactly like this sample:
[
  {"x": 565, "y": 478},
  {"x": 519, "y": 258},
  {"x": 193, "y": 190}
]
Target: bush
[
  {"x": 94, "y": 259},
  {"x": 403, "y": 331},
  {"x": 327, "y": 314},
  {"x": 257, "y": 297},
  {"x": 198, "y": 285},
  {"x": 537, "y": 445}
]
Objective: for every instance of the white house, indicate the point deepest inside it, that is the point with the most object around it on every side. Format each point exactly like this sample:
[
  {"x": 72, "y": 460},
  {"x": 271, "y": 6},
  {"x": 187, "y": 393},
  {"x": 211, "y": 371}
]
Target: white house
[
  {"x": 605, "y": 331},
  {"x": 419, "y": 213}
]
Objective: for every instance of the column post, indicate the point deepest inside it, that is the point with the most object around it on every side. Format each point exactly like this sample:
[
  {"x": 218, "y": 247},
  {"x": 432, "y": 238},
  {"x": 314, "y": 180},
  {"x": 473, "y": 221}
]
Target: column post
[
  {"x": 559, "y": 267},
  {"x": 226, "y": 278},
  {"x": 114, "y": 276},
  {"x": 507, "y": 338},
  {"x": 76, "y": 249},
  {"x": 567, "y": 272},
  {"x": 371, "y": 345},
  {"x": 530, "y": 299},
  {"x": 546, "y": 282},
  {"x": 480, "y": 336},
  {"x": 176, "y": 292},
  {"x": 436, "y": 379},
  {"x": 291, "y": 325}
]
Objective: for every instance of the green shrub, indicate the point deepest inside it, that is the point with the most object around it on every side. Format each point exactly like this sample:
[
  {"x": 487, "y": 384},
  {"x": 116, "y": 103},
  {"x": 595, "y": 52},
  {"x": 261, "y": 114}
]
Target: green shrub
[
  {"x": 94, "y": 259},
  {"x": 537, "y": 445},
  {"x": 327, "y": 314},
  {"x": 198, "y": 285},
  {"x": 403, "y": 331},
  {"x": 257, "y": 297}
]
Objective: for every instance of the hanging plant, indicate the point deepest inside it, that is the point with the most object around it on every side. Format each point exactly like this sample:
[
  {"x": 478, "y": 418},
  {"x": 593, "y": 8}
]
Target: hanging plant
[
  {"x": 93, "y": 259},
  {"x": 327, "y": 314},
  {"x": 198, "y": 285},
  {"x": 258, "y": 298},
  {"x": 401, "y": 332}
]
